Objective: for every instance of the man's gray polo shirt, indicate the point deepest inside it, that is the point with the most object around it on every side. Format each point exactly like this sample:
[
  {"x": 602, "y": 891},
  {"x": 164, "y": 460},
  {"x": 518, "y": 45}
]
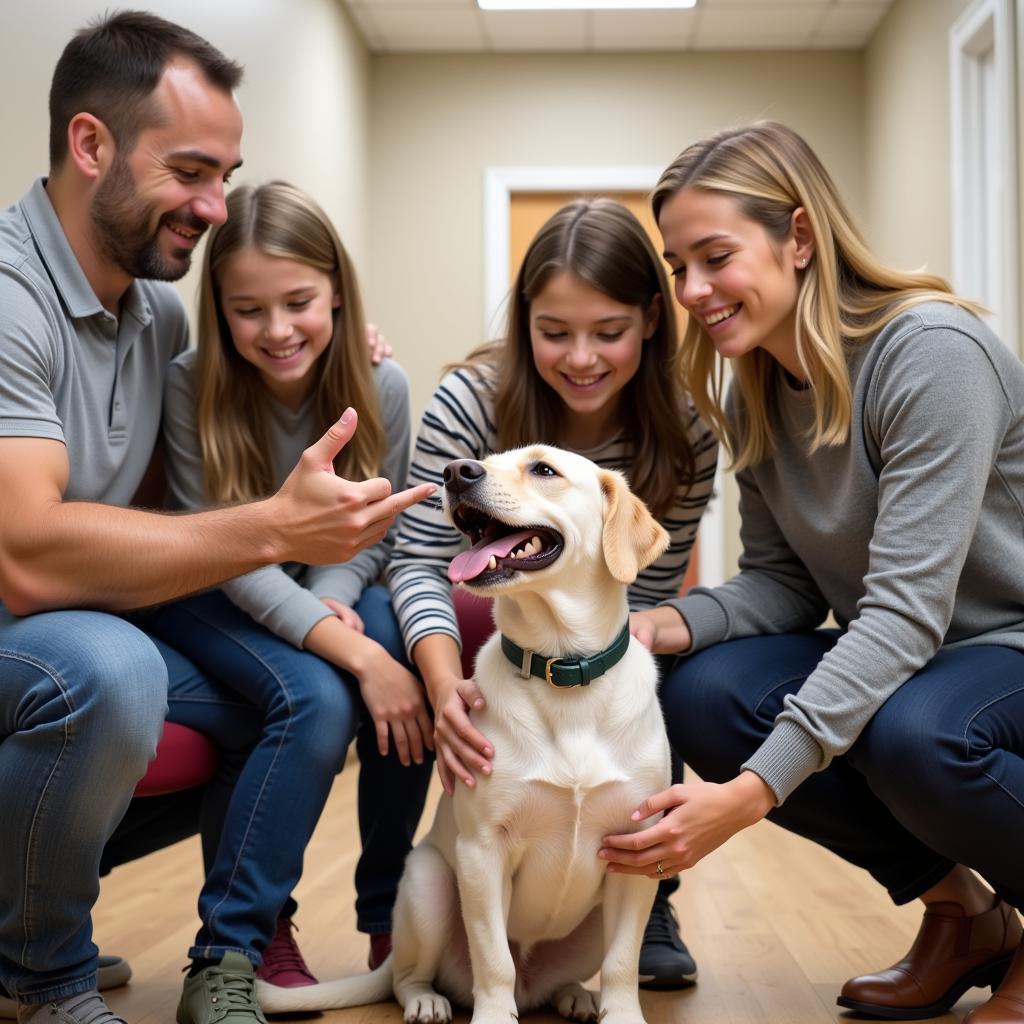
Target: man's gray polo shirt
[{"x": 71, "y": 371}]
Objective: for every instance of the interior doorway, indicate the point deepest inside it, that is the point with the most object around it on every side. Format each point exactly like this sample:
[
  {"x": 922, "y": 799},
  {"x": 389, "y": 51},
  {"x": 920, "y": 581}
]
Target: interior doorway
[{"x": 529, "y": 210}]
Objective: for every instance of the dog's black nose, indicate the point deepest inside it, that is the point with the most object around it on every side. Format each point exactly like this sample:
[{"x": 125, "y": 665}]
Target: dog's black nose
[{"x": 461, "y": 474}]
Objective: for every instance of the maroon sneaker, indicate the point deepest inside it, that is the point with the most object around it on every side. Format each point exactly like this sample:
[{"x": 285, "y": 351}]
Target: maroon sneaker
[
  {"x": 380, "y": 949},
  {"x": 282, "y": 960}
]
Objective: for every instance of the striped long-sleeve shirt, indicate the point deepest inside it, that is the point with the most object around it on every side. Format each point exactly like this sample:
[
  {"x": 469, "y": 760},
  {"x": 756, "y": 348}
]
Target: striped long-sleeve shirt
[{"x": 459, "y": 424}]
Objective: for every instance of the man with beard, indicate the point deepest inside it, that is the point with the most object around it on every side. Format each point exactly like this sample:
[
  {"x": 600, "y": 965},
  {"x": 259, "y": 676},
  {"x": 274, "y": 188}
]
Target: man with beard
[{"x": 144, "y": 134}]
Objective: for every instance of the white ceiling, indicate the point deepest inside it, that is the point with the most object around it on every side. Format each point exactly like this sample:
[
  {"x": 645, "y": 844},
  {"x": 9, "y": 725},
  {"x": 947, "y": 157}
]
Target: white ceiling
[{"x": 458, "y": 26}]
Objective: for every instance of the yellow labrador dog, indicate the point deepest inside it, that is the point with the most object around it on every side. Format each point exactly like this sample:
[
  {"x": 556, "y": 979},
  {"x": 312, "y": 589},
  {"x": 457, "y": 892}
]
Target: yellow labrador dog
[{"x": 504, "y": 906}]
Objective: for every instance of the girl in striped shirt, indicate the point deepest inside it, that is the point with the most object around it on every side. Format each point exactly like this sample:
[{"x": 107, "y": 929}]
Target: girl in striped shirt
[{"x": 589, "y": 362}]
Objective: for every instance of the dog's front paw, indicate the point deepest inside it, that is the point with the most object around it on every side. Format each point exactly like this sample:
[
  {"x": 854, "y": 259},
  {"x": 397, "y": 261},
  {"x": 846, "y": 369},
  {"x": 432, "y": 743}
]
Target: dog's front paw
[
  {"x": 574, "y": 1002},
  {"x": 428, "y": 1009}
]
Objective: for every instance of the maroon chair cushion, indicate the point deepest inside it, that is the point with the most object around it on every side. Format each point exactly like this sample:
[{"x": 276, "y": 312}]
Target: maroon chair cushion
[
  {"x": 476, "y": 623},
  {"x": 184, "y": 758}
]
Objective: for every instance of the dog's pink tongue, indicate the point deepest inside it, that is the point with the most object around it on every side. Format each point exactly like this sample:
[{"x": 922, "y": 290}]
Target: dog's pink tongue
[{"x": 467, "y": 565}]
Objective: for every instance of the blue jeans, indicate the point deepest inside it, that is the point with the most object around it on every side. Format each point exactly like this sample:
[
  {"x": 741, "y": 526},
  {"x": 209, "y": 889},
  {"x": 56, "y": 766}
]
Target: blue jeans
[
  {"x": 82, "y": 702},
  {"x": 935, "y": 779},
  {"x": 283, "y": 719}
]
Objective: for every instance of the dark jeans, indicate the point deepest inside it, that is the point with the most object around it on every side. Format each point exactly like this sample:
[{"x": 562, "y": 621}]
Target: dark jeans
[
  {"x": 283, "y": 720},
  {"x": 935, "y": 779}
]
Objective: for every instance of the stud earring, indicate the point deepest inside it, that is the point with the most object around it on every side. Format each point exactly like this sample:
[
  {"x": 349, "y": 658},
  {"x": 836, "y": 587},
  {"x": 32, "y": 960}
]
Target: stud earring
[{"x": 803, "y": 262}]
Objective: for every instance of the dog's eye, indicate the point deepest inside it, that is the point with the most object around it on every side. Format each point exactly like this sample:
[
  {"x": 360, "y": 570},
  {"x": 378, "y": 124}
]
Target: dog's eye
[{"x": 542, "y": 469}]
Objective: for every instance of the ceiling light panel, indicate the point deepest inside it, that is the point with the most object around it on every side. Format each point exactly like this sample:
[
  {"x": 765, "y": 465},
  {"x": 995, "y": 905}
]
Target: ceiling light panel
[{"x": 584, "y": 5}]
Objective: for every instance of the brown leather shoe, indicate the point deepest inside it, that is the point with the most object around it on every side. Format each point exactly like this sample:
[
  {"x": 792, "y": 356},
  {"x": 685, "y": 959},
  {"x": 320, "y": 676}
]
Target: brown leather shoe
[
  {"x": 1007, "y": 1003},
  {"x": 952, "y": 953}
]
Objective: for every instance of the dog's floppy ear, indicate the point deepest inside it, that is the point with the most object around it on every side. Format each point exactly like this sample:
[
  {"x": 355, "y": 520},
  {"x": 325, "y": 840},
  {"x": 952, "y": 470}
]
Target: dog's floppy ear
[{"x": 632, "y": 538}]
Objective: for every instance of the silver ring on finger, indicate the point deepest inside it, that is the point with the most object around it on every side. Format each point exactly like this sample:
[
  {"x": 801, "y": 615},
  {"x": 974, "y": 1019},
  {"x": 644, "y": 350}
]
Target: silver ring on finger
[{"x": 661, "y": 870}]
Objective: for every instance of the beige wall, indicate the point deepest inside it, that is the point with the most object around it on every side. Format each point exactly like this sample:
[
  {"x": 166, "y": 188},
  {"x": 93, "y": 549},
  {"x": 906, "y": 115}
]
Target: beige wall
[
  {"x": 907, "y": 117},
  {"x": 439, "y": 121},
  {"x": 305, "y": 95}
]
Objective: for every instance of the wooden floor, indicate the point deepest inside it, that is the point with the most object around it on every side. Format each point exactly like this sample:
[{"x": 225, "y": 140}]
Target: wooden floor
[{"x": 775, "y": 923}]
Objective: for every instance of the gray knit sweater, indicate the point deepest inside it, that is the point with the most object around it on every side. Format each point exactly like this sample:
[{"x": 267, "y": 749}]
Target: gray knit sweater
[{"x": 912, "y": 532}]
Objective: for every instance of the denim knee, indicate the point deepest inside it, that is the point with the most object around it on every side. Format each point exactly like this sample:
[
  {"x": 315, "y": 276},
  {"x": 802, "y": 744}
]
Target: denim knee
[
  {"x": 909, "y": 754},
  {"x": 321, "y": 714},
  {"x": 117, "y": 686}
]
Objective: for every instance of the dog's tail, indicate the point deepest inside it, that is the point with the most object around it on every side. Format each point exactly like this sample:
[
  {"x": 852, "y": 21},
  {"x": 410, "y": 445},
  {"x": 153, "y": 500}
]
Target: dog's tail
[{"x": 358, "y": 990}]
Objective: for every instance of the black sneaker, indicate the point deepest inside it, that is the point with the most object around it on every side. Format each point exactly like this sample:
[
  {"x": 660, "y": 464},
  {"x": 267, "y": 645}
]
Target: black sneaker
[{"x": 665, "y": 962}]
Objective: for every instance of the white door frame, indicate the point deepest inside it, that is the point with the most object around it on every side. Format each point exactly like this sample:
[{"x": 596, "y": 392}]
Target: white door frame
[
  {"x": 983, "y": 151},
  {"x": 499, "y": 184}
]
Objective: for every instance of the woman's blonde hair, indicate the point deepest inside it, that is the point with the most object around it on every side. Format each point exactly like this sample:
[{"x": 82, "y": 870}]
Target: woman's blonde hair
[
  {"x": 845, "y": 294},
  {"x": 606, "y": 247},
  {"x": 278, "y": 220}
]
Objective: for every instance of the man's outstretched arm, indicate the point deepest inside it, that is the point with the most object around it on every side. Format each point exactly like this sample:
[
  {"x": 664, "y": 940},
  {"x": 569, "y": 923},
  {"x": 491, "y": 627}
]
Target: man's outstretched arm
[{"x": 70, "y": 554}]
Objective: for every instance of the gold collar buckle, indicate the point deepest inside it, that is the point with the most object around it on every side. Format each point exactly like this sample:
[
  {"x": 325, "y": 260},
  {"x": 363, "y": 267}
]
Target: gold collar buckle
[{"x": 547, "y": 670}]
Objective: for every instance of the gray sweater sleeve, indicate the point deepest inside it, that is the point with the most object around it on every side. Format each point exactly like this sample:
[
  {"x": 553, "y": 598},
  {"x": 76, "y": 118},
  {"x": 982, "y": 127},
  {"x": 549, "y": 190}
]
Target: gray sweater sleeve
[
  {"x": 269, "y": 594},
  {"x": 932, "y": 478},
  {"x": 346, "y": 582},
  {"x": 772, "y": 593}
]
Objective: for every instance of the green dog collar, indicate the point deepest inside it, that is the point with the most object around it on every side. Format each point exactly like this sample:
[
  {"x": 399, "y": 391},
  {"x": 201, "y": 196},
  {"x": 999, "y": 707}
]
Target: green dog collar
[{"x": 566, "y": 671}]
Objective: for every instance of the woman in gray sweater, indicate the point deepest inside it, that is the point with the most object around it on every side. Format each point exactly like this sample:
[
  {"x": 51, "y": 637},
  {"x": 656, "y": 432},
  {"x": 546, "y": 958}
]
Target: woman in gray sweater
[{"x": 876, "y": 425}]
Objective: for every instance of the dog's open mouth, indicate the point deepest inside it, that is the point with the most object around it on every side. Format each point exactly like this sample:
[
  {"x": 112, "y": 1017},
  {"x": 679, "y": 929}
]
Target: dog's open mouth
[{"x": 499, "y": 549}]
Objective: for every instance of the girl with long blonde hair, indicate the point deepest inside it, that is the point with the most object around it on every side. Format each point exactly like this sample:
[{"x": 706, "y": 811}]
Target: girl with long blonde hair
[
  {"x": 309, "y": 653},
  {"x": 877, "y": 428}
]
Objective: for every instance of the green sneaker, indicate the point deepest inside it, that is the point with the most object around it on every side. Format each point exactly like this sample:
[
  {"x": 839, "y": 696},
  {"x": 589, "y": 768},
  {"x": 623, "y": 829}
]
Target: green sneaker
[{"x": 222, "y": 994}]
